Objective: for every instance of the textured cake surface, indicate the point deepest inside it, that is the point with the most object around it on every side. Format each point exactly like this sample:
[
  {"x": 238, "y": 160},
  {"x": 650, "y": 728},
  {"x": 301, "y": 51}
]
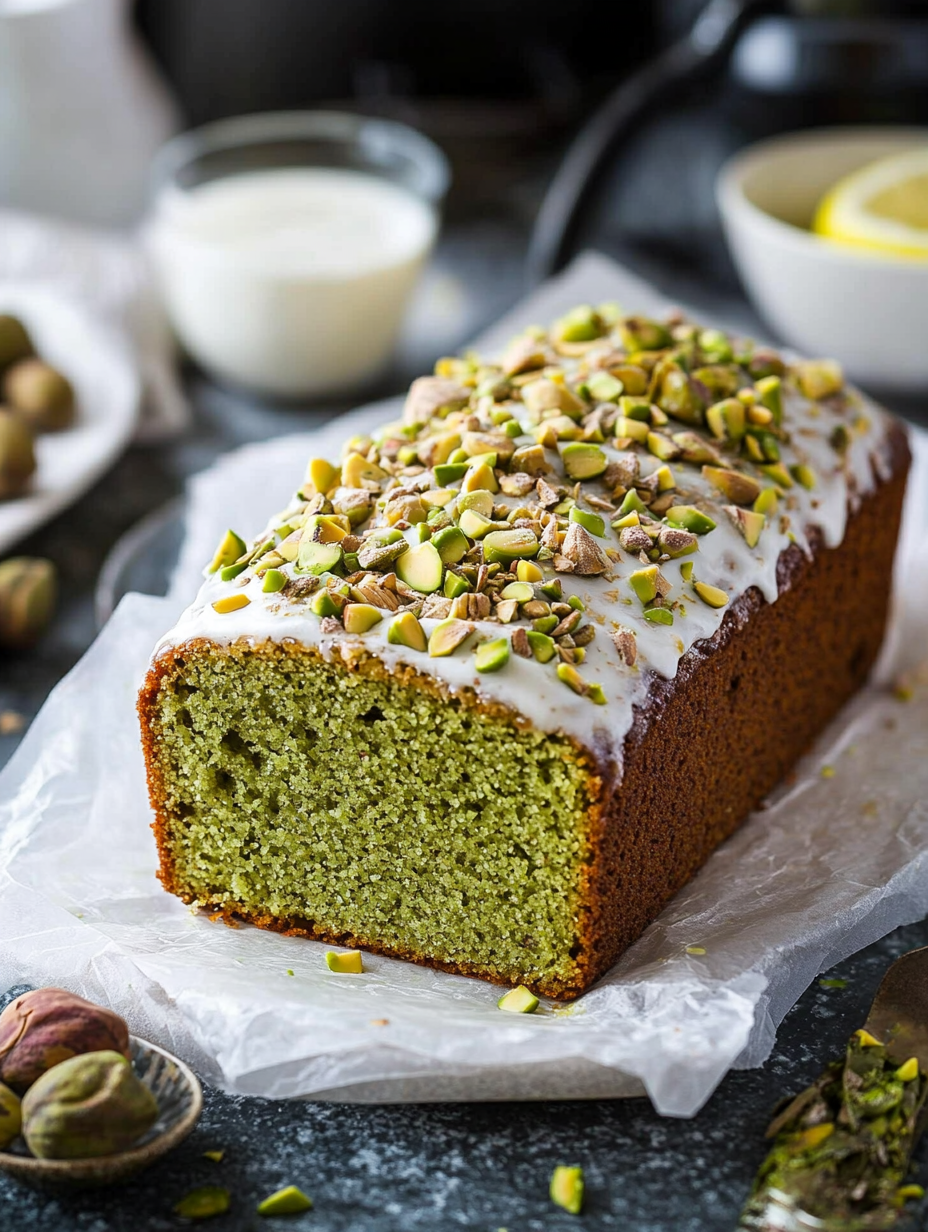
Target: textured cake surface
[{"x": 492, "y": 688}]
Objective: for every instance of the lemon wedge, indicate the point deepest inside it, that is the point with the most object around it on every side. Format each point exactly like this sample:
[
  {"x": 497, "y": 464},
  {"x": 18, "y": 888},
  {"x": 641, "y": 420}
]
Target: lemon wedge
[{"x": 882, "y": 206}]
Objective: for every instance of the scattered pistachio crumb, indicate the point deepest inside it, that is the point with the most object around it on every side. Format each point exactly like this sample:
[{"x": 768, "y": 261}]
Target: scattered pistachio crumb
[
  {"x": 695, "y": 949},
  {"x": 289, "y": 971},
  {"x": 204, "y": 1203},
  {"x": 566, "y": 1188},
  {"x": 288, "y": 1201},
  {"x": 215, "y": 1156},
  {"x": 349, "y": 962},
  {"x": 833, "y": 983},
  {"x": 828, "y": 772}
]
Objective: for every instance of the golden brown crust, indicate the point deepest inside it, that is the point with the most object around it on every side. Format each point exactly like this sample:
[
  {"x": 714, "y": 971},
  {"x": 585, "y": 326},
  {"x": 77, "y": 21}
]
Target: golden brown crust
[{"x": 705, "y": 749}]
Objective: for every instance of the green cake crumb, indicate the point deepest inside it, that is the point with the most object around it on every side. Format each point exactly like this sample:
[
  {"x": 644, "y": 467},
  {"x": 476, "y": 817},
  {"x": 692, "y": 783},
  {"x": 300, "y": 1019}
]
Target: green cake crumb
[{"x": 353, "y": 804}]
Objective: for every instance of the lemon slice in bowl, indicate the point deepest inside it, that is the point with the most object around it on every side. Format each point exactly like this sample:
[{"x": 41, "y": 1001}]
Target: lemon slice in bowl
[{"x": 882, "y": 206}]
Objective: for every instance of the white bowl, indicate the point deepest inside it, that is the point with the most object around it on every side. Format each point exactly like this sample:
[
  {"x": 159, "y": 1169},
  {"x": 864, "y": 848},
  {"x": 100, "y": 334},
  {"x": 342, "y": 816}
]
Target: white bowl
[{"x": 867, "y": 310}]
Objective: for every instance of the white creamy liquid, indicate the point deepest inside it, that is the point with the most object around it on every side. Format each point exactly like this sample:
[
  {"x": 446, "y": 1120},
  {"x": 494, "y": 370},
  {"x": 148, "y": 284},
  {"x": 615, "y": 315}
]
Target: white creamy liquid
[{"x": 294, "y": 281}]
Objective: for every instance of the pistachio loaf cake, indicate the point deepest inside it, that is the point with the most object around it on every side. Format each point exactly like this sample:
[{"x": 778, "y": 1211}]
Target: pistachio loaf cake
[{"x": 493, "y": 686}]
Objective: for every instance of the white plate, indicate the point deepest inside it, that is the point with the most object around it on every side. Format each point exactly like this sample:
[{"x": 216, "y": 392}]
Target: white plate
[{"x": 108, "y": 392}]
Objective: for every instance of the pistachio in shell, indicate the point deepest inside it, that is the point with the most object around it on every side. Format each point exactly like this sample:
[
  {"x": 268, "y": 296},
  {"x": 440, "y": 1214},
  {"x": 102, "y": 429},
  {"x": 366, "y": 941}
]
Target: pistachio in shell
[
  {"x": 15, "y": 342},
  {"x": 28, "y": 592},
  {"x": 17, "y": 455},
  {"x": 10, "y": 1116},
  {"x": 48, "y": 1026},
  {"x": 40, "y": 394},
  {"x": 87, "y": 1106}
]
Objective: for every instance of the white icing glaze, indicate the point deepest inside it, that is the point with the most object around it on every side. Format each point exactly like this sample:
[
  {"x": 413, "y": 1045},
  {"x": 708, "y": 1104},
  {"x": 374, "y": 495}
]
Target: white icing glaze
[{"x": 723, "y": 559}]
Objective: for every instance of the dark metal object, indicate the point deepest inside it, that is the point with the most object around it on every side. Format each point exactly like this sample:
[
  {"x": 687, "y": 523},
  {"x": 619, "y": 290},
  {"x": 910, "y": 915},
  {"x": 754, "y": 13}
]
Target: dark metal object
[
  {"x": 703, "y": 51},
  {"x": 899, "y": 1014}
]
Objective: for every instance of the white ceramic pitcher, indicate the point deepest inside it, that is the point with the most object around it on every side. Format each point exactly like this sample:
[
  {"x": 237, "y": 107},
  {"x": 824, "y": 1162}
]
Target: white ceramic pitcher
[{"x": 82, "y": 110}]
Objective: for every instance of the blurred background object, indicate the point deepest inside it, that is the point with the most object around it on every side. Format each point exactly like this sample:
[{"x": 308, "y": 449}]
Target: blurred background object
[
  {"x": 82, "y": 110},
  {"x": 287, "y": 245},
  {"x": 502, "y": 89}
]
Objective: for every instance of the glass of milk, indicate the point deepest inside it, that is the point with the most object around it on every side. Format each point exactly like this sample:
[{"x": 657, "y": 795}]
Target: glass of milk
[{"x": 287, "y": 246}]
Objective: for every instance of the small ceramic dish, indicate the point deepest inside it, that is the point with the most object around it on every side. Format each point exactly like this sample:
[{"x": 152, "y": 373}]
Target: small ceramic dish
[
  {"x": 868, "y": 310},
  {"x": 180, "y": 1101}
]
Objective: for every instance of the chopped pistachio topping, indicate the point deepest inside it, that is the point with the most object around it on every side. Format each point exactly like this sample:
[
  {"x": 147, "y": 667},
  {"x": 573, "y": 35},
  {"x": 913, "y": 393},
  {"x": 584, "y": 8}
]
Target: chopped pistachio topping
[
  {"x": 231, "y": 546},
  {"x": 405, "y": 630},
  {"x": 447, "y": 636},
  {"x": 230, "y": 603},
  {"x": 274, "y": 581},
  {"x": 492, "y": 656},
  {"x": 710, "y": 594},
  {"x": 605, "y": 442},
  {"x": 360, "y": 617},
  {"x": 421, "y": 568}
]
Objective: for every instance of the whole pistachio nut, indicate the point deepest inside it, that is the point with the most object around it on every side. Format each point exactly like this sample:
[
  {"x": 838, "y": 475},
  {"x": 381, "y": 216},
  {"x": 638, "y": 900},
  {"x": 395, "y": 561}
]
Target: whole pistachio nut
[
  {"x": 17, "y": 455},
  {"x": 42, "y": 1028},
  {"x": 15, "y": 343},
  {"x": 42, "y": 395},
  {"x": 87, "y": 1106},
  {"x": 10, "y": 1116},
  {"x": 28, "y": 592}
]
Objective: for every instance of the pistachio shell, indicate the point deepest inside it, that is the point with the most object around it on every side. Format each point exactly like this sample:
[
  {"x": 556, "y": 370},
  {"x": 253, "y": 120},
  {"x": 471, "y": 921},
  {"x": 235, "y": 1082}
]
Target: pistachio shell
[{"x": 87, "y": 1106}]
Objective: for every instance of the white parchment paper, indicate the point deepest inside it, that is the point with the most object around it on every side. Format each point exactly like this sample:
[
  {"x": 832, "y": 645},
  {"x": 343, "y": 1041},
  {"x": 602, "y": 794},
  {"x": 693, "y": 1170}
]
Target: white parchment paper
[{"x": 830, "y": 865}]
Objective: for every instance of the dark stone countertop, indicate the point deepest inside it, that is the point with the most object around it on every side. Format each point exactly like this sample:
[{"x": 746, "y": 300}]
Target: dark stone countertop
[{"x": 393, "y": 1168}]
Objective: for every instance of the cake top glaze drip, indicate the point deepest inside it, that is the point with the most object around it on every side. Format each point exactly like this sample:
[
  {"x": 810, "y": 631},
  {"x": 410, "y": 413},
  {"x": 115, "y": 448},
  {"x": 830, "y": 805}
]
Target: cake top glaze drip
[{"x": 551, "y": 528}]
